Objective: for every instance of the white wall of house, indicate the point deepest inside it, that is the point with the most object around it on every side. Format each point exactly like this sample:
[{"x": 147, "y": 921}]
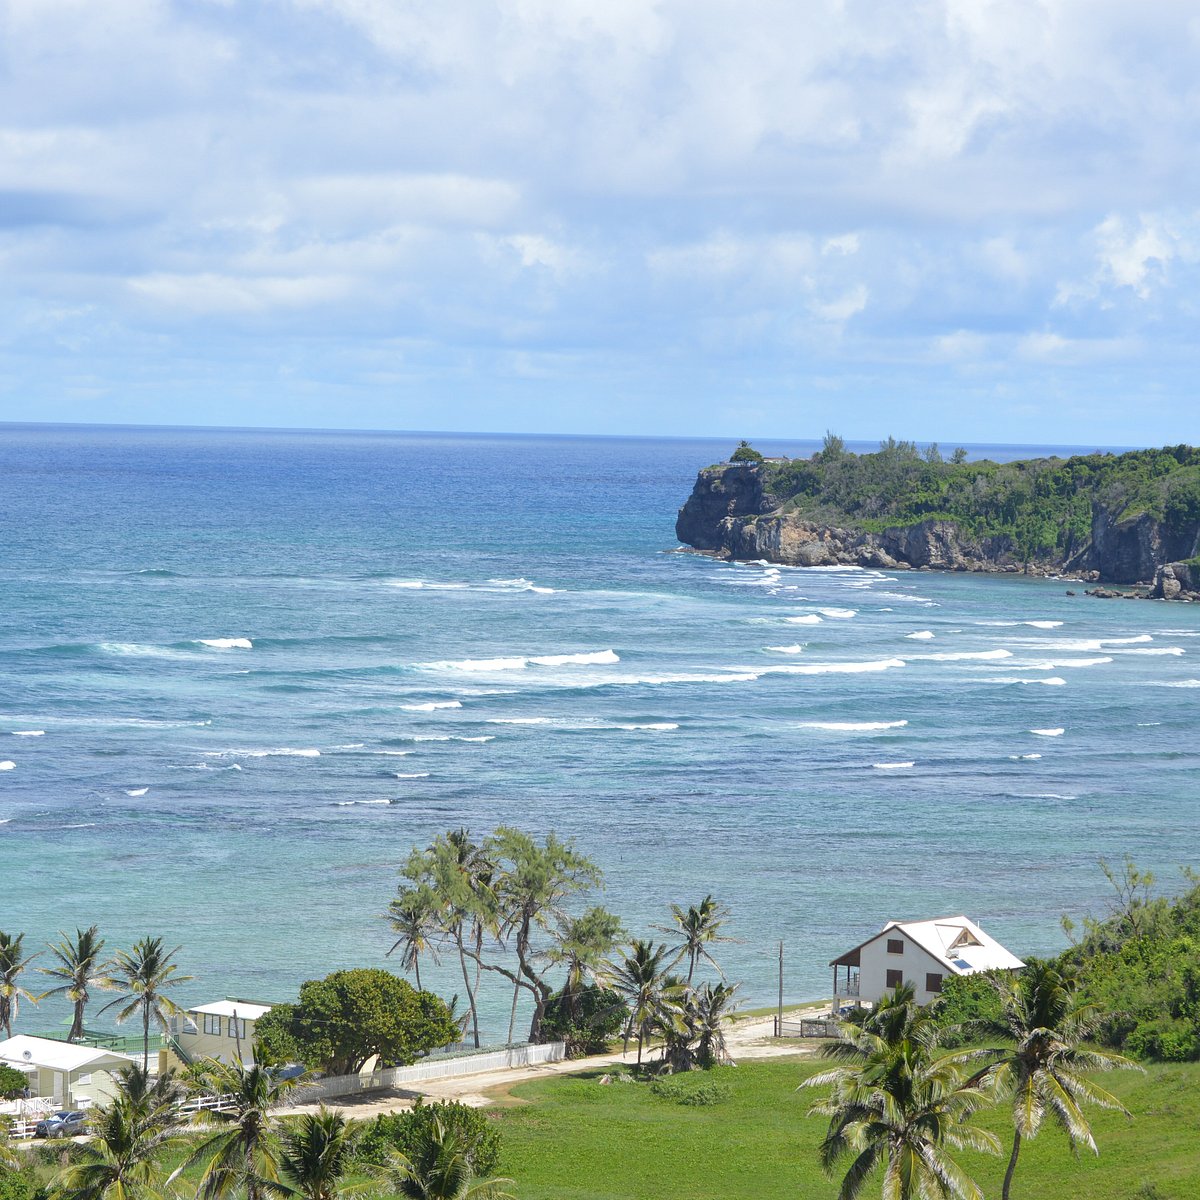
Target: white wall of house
[{"x": 913, "y": 964}]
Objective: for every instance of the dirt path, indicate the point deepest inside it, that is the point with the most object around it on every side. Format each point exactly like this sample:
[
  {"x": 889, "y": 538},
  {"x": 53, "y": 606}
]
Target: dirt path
[{"x": 747, "y": 1038}]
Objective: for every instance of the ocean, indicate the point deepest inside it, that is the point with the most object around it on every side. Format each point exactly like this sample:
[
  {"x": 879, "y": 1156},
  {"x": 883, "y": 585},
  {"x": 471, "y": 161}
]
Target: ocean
[{"x": 242, "y": 673}]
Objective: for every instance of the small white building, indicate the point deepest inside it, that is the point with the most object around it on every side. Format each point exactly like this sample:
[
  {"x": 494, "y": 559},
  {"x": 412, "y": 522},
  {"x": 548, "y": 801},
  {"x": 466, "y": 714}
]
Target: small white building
[
  {"x": 71, "y": 1075},
  {"x": 922, "y": 953},
  {"x": 223, "y": 1030}
]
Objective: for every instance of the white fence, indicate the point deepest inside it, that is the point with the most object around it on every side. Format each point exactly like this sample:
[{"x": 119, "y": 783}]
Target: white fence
[{"x": 428, "y": 1069}]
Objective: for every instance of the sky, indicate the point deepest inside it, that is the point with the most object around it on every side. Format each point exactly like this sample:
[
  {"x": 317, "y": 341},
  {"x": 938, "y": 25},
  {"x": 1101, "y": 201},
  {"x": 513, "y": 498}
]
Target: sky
[{"x": 966, "y": 220}]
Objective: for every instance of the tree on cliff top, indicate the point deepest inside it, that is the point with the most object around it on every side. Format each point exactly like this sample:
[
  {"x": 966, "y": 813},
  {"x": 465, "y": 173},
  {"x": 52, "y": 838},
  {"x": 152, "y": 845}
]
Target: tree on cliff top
[
  {"x": 341, "y": 1021},
  {"x": 745, "y": 453}
]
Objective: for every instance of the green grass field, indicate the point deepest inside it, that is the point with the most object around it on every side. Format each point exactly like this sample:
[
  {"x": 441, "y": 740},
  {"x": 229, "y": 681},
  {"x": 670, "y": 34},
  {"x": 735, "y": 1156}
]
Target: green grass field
[{"x": 571, "y": 1138}]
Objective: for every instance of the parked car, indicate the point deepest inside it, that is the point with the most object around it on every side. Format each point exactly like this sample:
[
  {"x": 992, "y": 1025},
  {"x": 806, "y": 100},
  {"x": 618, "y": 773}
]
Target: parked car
[{"x": 60, "y": 1125}]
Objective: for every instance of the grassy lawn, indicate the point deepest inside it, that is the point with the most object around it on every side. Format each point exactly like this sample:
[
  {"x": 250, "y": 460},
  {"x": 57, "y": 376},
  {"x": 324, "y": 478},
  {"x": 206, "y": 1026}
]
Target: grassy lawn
[{"x": 570, "y": 1138}]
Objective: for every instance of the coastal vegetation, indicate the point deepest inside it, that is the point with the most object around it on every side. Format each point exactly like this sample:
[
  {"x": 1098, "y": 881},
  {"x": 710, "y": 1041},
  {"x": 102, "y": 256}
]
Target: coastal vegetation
[{"x": 1044, "y": 506}]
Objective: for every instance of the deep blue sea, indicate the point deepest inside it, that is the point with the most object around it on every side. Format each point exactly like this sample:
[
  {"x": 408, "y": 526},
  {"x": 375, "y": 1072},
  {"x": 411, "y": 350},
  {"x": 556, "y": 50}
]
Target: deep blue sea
[{"x": 242, "y": 673}]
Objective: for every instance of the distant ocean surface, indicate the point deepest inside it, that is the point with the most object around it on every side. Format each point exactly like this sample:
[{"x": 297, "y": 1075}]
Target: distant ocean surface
[{"x": 242, "y": 673}]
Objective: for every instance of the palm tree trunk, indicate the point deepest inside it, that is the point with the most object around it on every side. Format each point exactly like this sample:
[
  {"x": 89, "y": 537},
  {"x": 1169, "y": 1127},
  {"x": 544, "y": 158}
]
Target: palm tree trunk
[
  {"x": 146, "y": 1038},
  {"x": 462, "y": 962},
  {"x": 512, "y": 1016},
  {"x": 417, "y": 969},
  {"x": 77, "y": 1024},
  {"x": 1012, "y": 1164}
]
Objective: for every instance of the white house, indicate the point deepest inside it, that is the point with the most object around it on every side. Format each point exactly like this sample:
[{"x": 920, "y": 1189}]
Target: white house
[
  {"x": 923, "y": 953},
  {"x": 71, "y": 1075},
  {"x": 223, "y": 1030}
]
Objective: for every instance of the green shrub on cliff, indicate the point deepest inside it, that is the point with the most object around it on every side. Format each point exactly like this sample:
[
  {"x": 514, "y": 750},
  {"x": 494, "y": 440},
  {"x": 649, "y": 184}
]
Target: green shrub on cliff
[
  {"x": 1044, "y": 506},
  {"x": 745, "y": 453}
]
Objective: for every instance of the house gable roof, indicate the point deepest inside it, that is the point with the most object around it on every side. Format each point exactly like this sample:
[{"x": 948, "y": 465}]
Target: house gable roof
[
  {"x": 955, "y": 942},
  {"x": 58, "y": 1056}
]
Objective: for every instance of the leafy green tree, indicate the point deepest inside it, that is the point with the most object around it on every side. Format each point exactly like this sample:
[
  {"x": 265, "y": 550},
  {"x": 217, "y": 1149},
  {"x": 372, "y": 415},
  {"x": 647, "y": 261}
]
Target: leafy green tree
[
  {"x": 129, "y": 1134},
  {"x": 242, "y": 1156},
  {"x": 895, "y": 1106},
  {"x": 78, "y": 968},
  {"x": 316, "y": 1154},
  {"x": 745, "y": 453},
  {"x": 595, "y": 1017},
  {"x": 143, "y": 976},
  {"x": 438, "y": 1168},
  {"x": 12, "y": 1082},
  {"x": 697, "y": 928},
  {"x": 13, "y": 962},
  {"x": 343, "y": 1020},
  {"x": 530, "y": 887},
  {"x": 1046, "y": 1069}
]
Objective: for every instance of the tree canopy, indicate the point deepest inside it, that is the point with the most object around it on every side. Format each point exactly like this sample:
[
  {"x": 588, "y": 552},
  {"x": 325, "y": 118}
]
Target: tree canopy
[{"x": 341, "y": 1021}]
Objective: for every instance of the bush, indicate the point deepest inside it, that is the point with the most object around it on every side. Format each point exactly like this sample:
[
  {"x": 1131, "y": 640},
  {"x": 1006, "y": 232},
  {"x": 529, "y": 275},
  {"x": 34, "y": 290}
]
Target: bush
[
  {"x": 19, "y": 1185},
  {"x": 599, "y": 1018},
  {"x": 693, "y": 1089},
  {"x": 403, "y": 1131},
  {"x": 967, "y": 1000}
]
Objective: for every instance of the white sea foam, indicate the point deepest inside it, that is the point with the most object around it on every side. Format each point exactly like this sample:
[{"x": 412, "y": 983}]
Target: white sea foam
[
  {"x": 7, "y": 765},
  {"x": 231, "y": 643},
  {"x": 515, "y": 663},
  {"x": 896, "y": 766},
  {"x": 1179, "y": 683},
  {"x": 521, "y": 585},
  {"x": 651, "y": 726},
  {"x": 395, "y": 753},
  {"x": 963, "y": 656},
  {"x": 807, "y": 619},
  {"x": 488, "y": 738},
  {"x": 838, "y": 614},
  {"x": 431, "y": 705},
  {"x": 445, "y": 737},
  {"x": 1052, "y": 681},
  {"x": 429, "y": 585},
  {"x": 519, "y": 720},
  {"x": 852, "y": 726},
  {"x": 140, "y": 650},
  {"x": 1024, "y": 757},
  {"x": 1048, "y": 796},
  {"x": 411, "y": 775},
  {"x": 798, "y": 648},
  {"x": 350, "y": 746},
  {"x": 922, "y": 635},
  {"x": 282, "y": 752},
  {"x": 1043, "y": 624},
  {"x": 1147, "y": 724},
  {"x": 352, "y": 803},
  {"x": 137, "y": 791},
  {"x": 837, "y": 668},
  {"x": 1172, "y": 651},
  {"x": 29, "y": 733},
  {"x": 1048, "y": 732}
]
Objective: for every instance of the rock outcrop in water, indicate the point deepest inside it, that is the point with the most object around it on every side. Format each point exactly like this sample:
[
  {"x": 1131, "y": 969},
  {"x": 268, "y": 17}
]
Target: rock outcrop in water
[{"x": 739, "y": 511}]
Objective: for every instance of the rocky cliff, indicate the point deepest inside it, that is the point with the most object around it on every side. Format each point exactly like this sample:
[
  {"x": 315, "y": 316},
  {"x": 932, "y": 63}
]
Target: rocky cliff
[{"x": 732, "y": 513}]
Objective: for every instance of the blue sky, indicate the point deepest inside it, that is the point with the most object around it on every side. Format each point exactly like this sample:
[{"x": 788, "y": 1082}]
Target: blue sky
[{"x": 969, "y": 220}]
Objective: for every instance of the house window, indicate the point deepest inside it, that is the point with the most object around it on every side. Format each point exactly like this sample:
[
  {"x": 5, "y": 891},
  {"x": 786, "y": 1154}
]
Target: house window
[
  {"x": 933, "y": 982},
  {"x": 212, "y": 1024},
  {"x": 85, "y": 1078},
  {"x": 895, "y": 945},
  {"x": 895, "y": 979},
  {"x": 237, "y": 1029}
]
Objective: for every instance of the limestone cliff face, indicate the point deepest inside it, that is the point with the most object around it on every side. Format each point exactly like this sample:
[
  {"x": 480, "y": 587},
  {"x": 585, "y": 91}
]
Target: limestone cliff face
[{"x": 731, "y": 515}]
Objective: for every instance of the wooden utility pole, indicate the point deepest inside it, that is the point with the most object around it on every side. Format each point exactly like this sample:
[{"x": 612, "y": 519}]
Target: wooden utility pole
[{"x": 779, "y": 1015}]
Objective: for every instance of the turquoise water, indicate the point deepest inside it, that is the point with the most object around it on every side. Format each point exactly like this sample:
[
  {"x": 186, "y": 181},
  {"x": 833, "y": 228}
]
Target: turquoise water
[{"x": 261, "y": 666}]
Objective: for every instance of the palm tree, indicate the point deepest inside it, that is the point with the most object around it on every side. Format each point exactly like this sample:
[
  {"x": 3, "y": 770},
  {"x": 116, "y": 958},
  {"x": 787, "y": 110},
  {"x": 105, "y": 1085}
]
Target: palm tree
[
  {"x": 897, "y": 1106},
  {"x": 709, "y": 1009},
  {"x": 641, "y": 978},
  {"x": 242, "y": 1155},
  {"x": 439, "y": 1169},
  {"x": 414, "y": 915},
  {"x": 1045, "y": 1069},
  {"x": 78, "y": 969},
  {"x": 316, "y": 1153},
  {"x": 697, "y": 927},
  {"x": 11, "y": 965},
  {"x": 120, "y": 1160},
  {"x": 143, "y": 975},
  {"x": 583, "y": 946}
]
